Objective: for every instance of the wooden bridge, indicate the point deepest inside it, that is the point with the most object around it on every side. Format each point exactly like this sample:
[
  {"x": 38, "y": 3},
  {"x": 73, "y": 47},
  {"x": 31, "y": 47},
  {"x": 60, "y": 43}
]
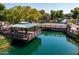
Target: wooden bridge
[
  {"x": 60, "y": 27},
  {"x": 54, "y": 26}
]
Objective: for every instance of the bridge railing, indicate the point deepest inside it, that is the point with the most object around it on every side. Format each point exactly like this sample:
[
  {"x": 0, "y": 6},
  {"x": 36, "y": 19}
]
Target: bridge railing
[{"x": 53, "y": 25}]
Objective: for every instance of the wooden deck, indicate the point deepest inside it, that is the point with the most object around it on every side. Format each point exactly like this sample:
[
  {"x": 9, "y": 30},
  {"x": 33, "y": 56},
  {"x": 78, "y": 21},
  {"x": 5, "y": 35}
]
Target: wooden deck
[{"x": 23, "y": 36}]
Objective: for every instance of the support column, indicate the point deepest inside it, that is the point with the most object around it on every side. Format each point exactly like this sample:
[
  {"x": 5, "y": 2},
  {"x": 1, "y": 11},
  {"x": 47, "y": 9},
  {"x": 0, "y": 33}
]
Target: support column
[
  {"x": 26, "y": 33},
  {"x": 11, "y": 33}
]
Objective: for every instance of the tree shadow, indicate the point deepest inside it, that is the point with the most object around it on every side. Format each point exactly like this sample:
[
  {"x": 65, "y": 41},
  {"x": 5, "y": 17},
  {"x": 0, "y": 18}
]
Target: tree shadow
[{"x": 18, "y": 43}]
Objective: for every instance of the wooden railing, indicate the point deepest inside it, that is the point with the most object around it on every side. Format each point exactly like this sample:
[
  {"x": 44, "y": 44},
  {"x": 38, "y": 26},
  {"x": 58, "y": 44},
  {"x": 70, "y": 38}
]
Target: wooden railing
[
  {"x": 34, "y": 34},
  {"x": 53, "y": 25}
]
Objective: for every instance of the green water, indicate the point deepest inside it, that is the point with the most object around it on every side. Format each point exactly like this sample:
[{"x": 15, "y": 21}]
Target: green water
[{"x": 47, "y": 43}]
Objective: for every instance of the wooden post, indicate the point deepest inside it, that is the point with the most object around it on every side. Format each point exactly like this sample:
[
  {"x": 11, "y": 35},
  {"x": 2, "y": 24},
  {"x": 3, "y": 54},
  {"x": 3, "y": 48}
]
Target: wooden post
[
  {"x": 34, "y": 31},
  {"x": 26, "y": 34},
  {"x": 50, "y": 25},
  {"x": 11, "y": 33}
]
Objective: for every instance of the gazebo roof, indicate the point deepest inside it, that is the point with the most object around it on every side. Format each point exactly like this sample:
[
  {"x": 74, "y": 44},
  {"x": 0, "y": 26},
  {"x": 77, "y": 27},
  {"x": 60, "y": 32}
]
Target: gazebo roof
[
  {"x": 24, "y": 25},
  {"x": 23, "y": 22}
]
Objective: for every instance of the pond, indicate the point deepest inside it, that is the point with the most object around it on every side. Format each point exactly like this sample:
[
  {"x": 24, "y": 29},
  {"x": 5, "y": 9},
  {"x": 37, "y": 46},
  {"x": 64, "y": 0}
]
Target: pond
[{"x": 47, "y": 43}]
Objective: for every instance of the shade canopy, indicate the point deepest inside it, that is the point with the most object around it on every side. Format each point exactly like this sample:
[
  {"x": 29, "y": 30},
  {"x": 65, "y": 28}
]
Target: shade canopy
[
  {"x": 24, "y": 25},
  {"x": 23, "y": 22}
]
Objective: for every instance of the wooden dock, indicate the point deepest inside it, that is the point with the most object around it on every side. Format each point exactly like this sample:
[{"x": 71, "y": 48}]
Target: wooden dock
[{"x": 27, "y": 36}]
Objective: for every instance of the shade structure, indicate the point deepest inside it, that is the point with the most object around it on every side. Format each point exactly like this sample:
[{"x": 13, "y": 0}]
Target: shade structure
[
  {"x": 24, "y": 25},
  {"x": 23, "y": 22}
]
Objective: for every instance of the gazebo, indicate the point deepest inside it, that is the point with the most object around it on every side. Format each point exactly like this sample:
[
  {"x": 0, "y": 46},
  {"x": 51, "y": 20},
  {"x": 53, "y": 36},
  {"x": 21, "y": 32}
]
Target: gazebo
[{"x": 25, "y": 31}]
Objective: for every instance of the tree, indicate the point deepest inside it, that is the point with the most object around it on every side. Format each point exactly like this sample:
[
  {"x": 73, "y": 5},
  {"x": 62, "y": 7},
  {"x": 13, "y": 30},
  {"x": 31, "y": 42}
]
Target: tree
[
  {"x": 57, "y": 16},
  {"x": 53, "y": 14},
  {"x": 2, "y": 7},
  {"x": 17, "y": 13},
  {"x": 75, "y": 12},
  {"x": 44, "y": 16},
  {"x": 35, "y": 15},
  {"x": 72, "y": 21},
  {"x": 22, "y": 13},
  {"x": 2, "y": 16},
  {"x": 68, "y": 15},
  {"x": 42, "y": 12}
]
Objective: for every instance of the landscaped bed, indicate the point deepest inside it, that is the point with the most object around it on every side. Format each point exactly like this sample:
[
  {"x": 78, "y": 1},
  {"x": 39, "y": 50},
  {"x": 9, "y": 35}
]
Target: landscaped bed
[{"x": 4, "y": 44}]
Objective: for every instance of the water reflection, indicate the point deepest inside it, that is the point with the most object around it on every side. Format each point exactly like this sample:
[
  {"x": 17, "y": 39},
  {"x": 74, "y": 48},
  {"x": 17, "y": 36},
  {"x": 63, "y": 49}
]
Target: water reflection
[
  {"x": 28, "y": 49},
  {"x": 72, "y": 40},
  {"x": 22, "y": 48},
  {"x": 57, "y": 34},
  {"x": 56, "y": 43},
  {"x": 47, "y": 43}
]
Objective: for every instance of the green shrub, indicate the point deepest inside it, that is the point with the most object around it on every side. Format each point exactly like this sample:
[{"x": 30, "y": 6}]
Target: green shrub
[
  {"x": 77, "y": 37},
  {"x": 3, "y": 42},
  {"x": 73, "y": 21}
]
